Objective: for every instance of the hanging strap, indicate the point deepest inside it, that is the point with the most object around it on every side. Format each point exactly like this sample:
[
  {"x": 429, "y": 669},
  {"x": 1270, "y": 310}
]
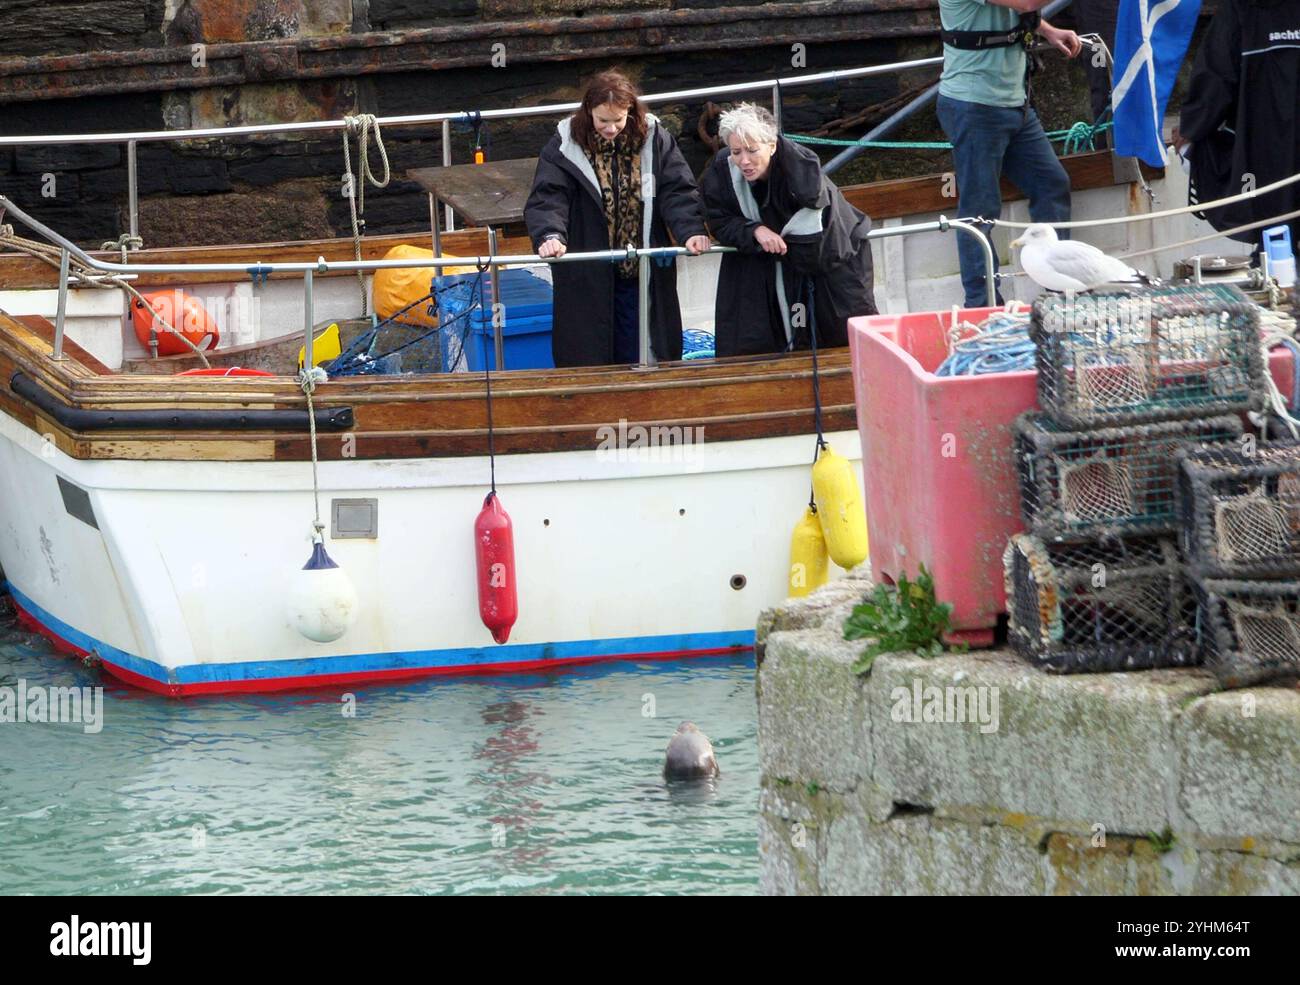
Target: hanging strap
[
  {"x": 810, "y": 289},
  {"x": 1021, "y": 34}
]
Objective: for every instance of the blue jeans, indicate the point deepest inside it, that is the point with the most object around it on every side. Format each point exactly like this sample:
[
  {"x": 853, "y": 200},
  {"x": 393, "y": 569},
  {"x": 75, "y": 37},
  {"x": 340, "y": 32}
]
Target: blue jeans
[
  {"x": 627, "y": 324},
  {"x": 987, "y": 142}
]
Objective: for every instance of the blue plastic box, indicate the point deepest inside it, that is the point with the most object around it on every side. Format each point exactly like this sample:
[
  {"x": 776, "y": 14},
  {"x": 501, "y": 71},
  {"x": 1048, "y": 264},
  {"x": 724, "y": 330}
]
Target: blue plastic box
[{"x": 528, "y": 319}]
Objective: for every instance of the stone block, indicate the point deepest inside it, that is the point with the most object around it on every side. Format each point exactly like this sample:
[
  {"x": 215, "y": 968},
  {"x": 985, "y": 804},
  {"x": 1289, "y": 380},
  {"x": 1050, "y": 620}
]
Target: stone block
[
  {"x": 812, "y": 713},
  {"x": 67, "y": 157},
  {"x": 390, "y": 15},
  {"x": 829, "y": 605},
  {"x": 917, "y": 854},
  {"x": 293, "y": 210},
  {"x": 789, "y": 841},
  {"x": 1243, "y": 874},
  {"x": 1087, "y": 749},
  {"x": 1239, "y": 764}
]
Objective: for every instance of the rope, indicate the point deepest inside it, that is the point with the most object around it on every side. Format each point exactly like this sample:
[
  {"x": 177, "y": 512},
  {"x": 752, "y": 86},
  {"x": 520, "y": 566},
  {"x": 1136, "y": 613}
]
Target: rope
[
  {"x": 361, "y": 125},
  {"x": 998, "y": 344},
  {"x": 308, "y": 379},
  {"x": 1276, "y": 403},
  {"x": 492, "y": 449},
  {"x": 1080, "y": 133},
  {"x": 90, "y": 278},
  {"x": 1229, "y": 233},
  {"x": 810, "y": 288},
  {"x": 123, "y": 243},
  {"x": 1146, "y": 216}
]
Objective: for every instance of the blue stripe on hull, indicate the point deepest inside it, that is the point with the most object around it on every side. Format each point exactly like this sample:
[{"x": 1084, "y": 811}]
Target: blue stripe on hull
[{"x": 462, "y": 658}]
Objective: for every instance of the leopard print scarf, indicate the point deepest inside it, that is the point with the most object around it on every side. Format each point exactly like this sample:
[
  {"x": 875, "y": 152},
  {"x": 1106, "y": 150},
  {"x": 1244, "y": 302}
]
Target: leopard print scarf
[{"x": 618, "y": 169}]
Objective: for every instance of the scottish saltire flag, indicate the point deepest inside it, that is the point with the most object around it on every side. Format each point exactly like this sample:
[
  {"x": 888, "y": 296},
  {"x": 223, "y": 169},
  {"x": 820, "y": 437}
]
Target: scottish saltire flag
[{"x": 1151, "y": 38}]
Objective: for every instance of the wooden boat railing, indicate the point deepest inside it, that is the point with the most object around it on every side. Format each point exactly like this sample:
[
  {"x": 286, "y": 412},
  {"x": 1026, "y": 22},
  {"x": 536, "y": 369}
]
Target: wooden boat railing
[{"x": 307, "y": 270}]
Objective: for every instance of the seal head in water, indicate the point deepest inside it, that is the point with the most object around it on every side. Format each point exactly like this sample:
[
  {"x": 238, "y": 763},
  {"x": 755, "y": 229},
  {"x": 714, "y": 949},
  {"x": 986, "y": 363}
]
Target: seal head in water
[{"x": 690, "y": 755}]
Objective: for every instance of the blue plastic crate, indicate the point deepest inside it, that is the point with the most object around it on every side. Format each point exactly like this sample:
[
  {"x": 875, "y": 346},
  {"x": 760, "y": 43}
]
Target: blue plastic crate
[
  {"x": 465, "y": 314},
  {"x": 526, "y": 343}
]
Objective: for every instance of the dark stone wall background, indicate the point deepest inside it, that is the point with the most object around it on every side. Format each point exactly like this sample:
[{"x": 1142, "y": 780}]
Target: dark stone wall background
[{"x": 209, "y": 192}]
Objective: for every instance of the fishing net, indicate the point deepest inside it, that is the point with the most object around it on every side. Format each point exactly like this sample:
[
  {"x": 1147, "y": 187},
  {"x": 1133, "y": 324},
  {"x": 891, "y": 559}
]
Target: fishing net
[
  {"x": 1152, "y": 353},
  {"x": 1116, "y": 481},
  {"x": 399, "y": 344},
  {"x": 1239, "y": 510},
  {"x": 1086, "y": 608},
  {"x": 1249, "y": 631}
]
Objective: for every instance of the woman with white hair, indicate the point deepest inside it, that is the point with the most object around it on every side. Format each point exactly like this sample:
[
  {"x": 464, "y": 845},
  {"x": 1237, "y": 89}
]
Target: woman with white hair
[{"x": 767, "y": 196}]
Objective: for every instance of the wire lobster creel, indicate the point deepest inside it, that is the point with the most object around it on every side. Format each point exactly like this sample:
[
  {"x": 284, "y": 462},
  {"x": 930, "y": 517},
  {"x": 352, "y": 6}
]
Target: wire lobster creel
[
  {"x": 1094, "y": 608},
  {"x": 1248, "y": 631},
  {"x": 1239, "y": 510},
  {"x": 1107, "y": 482},
  {"x": 1147, "y": 354}
]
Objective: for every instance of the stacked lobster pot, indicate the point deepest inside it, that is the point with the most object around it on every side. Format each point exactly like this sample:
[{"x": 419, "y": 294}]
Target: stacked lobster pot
[
  {"x": 1127, "y": 382},
  {"x": 1239, "y": 509}
]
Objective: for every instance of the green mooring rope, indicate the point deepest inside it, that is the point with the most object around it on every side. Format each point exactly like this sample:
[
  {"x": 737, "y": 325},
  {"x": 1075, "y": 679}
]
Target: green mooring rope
[{"x": 1077, "y": 138}]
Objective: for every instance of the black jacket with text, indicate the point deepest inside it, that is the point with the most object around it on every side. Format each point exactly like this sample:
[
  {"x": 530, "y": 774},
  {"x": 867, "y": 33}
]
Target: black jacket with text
[{"x": 1242, "y": 112}]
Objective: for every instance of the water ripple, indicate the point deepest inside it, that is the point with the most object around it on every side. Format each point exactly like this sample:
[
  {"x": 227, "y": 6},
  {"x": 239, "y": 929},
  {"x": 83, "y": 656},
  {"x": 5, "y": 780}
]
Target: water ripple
[{"x": 539, "y": 784}]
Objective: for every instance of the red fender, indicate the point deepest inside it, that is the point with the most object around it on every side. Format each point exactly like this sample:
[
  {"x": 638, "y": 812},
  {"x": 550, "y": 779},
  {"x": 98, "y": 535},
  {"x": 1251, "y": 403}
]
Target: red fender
[{"x": 494, "y": 548}]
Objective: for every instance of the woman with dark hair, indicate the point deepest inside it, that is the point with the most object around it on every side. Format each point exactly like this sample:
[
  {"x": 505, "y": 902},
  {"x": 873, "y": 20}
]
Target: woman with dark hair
[
  {"x": 612, "y": 177},
  {"x": 796, "y": 237}
]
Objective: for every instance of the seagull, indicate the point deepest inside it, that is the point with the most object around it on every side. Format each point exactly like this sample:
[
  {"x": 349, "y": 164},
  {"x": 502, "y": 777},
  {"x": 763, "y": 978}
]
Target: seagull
[{"x": 1068, "y": 265}]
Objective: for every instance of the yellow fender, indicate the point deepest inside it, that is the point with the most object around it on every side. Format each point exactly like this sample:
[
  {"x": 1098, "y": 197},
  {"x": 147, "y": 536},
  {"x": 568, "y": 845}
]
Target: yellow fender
[
  {"x": 840, "y": 509},
  {"x": 808, "y": 559},
  {"x": 324, "y": 347}
]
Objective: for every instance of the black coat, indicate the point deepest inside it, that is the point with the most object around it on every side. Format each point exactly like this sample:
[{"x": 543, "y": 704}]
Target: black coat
[
  {"x": 566, "y": 200},
  {"x": 836, "y": 259},
  {"x": 1258, "y": 97}
]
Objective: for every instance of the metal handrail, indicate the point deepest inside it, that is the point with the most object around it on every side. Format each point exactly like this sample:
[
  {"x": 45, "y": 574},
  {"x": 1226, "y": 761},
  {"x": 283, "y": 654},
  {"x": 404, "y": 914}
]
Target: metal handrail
[
  {"x": 133, "y": 139},
  {"x": 308, "y": 270},
  {"x": 913, "y": 107},
  {"x": 150, "y": 136}
]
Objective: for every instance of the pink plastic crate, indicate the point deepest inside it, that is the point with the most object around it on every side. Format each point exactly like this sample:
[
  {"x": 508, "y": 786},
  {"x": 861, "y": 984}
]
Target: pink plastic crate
[{"x": 936, "y": 459}]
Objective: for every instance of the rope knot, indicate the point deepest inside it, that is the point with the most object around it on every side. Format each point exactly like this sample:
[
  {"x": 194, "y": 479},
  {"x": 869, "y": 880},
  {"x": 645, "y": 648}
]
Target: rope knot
[{"x": 311, "y": 378}]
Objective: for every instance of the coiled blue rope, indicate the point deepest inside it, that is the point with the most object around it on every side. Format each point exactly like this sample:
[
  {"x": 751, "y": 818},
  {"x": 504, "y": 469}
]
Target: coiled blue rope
[{"x": 1001, "y": 344}]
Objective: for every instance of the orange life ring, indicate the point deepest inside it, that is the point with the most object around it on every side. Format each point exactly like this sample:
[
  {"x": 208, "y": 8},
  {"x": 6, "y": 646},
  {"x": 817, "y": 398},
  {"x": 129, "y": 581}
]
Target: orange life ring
[{"x": 182, "y": 311}]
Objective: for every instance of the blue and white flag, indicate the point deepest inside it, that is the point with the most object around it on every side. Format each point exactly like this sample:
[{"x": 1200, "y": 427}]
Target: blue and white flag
[{"x": 1151, "y": 39}]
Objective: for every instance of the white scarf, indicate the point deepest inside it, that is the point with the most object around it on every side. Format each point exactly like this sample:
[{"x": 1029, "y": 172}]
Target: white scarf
[{"x": 805, "y": 222}]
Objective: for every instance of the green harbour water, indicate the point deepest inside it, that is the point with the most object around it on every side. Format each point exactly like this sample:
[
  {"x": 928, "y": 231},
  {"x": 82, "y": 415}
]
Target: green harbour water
[{"x": 526, "y": 783}]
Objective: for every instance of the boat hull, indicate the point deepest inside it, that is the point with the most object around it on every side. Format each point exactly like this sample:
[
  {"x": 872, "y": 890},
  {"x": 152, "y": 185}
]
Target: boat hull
[{"x": 174, "y": 574}]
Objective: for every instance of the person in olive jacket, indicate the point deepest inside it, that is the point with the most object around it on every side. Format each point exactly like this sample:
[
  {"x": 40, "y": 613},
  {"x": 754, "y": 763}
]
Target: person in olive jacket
[
  {"x": 767, "y": 196},
  {"x": 612, "y": 176}
]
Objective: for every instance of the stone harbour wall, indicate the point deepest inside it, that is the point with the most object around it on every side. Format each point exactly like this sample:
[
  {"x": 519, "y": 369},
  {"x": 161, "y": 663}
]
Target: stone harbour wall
[{"x": 1152, "y": 783}]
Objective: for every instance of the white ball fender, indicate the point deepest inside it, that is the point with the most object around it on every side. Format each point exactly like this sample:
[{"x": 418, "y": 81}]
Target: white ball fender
[{"x": 322, "y": 603}]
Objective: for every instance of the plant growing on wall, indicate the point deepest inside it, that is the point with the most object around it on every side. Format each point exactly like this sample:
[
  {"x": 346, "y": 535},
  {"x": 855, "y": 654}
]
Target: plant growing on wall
[{"x": 899, "y": 618}]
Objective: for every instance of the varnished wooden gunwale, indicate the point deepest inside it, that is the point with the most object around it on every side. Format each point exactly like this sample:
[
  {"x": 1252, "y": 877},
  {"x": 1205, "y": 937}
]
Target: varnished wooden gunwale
[
  {"x": 434, "y": 416},
  {"x": 445, "y": 415}
]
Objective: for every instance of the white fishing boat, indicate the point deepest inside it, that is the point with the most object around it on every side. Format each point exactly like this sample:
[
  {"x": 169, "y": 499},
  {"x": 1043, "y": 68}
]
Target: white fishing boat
[{"x": 158, "y": 523}]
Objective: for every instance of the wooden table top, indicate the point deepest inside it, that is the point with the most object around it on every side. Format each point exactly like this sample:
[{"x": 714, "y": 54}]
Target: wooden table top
[{"x": 489, "y": 194}]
